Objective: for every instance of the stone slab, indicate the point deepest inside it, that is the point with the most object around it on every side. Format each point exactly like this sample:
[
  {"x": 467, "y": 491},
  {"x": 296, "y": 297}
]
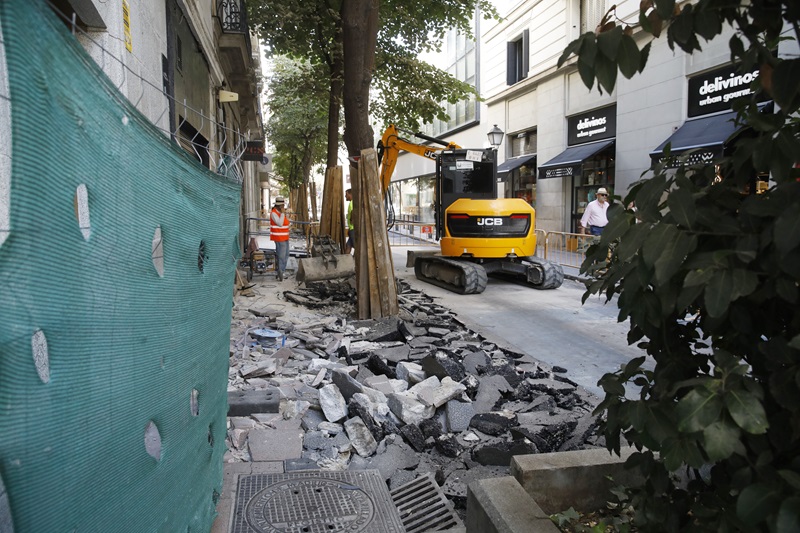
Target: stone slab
[
  {"x": 501, "y": 505},
  {"x": 275, "y": 444},
  {"x": 579, "y": 479},
  {"x": 245, "y": 403}
]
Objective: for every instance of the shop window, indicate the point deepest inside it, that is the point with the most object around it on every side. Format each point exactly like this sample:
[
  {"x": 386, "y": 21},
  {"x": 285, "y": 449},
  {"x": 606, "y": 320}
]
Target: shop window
[
  {"x": 517, "y": 59},
  {"x": 594, "y": 173}
]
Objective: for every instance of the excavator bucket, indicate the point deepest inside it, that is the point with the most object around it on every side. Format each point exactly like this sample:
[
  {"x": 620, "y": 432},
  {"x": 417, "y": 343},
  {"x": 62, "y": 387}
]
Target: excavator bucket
[{"x": 325, "y": 262}]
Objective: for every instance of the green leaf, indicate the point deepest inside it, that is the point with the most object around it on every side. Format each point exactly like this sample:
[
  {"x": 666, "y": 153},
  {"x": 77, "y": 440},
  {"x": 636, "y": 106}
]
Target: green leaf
[
  {"x": 649, "y": 195},
  {"x": 673, "y": 256},
  {"x": 608, "y": 43},
  {"x": 792, "y": 478},
  {"x": 747, "y": 411},
  {"x": 755, "y": 503},
  {"x": 657, "y": 240},
  {"x": 718, "y": 293},
  {"x": 628, "y": 57},
  {"x": 682, "y": 451},
  {"x": 644, "y": 54},
  {"x": 698, "y": 277},
  {"x": 787, "y": 230},
  {"x": 744, "y": 283},
  {"x": 698, "y": 409},
  {"x": 664, "y": 8},
  {"x": 707, "y": 24},
  {"x": 587, "y": 73},
  {"x": 606, "y": 72},
  {"x": 682, "y": 26},
  {"x": 789, "y": 516},
  {"x": 572, "y": 48},
  {"x": 747, "y": 248},
  {"x": 720, "y": 440},
  {"x": 682, "y": 207},
  {"x": 630, "y": 243},
  {"x": 785, "y": 81},
  {"x": 588, "y": 50}
]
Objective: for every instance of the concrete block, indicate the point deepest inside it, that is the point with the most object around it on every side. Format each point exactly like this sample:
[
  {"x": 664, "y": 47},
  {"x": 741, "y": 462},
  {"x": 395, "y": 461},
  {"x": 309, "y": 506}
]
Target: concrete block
[
  {"x": 558, "y": 481},
  {"x": 501, "y": 505},
  {"x": 275, "y": 444},
  {"x": 247, "y": 402}
]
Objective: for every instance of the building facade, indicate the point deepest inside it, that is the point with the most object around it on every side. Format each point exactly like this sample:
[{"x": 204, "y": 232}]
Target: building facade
[
  {"x": 564, "y": 141},
  {"x": 192, "y": 68}
]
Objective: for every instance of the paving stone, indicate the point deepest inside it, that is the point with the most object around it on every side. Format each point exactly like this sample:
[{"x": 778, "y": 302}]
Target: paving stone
[
  {"x": 494, "y": 423},
  {"x": 459, "y": 415},
  {"x": 360, "y": 437},
  {"x": 362, "y": 412},
  {"x": 410, "y": 372},
  {"x": 475, "y": 362},
  {"x": 384, "y": 330},
  {"x": 342, "y": 442},
  {"x": 311, "y": 420},
  {"x": 261, "y": 368},
  {"x": 346, "y": 384},
  {"x": 295, "y": 465},
  {"x": 247, "y": 402},
  {"x": 490, "y": 390},
  {"x": 400, "y": 478},
  {"x": 410, "y": 330},
  {"x": 448, "y": 445},
  {"x": 500, "y": 451},
  {"x": 331, "y": 428},
  {"x": 316, "y": 440},
  {"x": 443, "y": 393},
  {"x": 443, "y": 364},
  {"x": 394, "y": 354},
  {"x": 409, "y": 409},
  {"x": 275, "y": 444},
  {"x": 430, "y": 428},
  {"x": 397, "y": 456},
  {"x": 379, "y": 367},
  {"x": 333, "y": 403},
  {"x": 381, "y": 383},
  {"x": 413, "y": 436}
]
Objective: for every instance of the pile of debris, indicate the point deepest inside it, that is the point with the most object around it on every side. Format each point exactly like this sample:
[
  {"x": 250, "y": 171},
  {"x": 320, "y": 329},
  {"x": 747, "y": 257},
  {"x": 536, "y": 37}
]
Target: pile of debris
[{"x": 407, "y": 395}]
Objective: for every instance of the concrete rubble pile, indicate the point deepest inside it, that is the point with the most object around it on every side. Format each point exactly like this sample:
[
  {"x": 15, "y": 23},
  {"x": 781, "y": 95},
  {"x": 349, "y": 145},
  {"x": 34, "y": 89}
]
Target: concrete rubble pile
[{"x": 406, "y": 395}]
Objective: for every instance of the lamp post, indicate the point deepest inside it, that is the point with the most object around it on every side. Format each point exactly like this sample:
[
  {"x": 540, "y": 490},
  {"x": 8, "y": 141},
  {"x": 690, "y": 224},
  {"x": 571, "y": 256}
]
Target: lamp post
[{"x": 495, "y": 136}]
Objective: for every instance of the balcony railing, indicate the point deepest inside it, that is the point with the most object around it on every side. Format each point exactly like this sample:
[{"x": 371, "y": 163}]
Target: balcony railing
[{"x": 232, "y": 16}]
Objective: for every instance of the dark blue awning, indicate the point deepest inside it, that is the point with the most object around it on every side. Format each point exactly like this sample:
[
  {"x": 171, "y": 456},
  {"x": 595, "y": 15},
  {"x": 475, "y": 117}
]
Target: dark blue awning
[
  {"x": 512, "y": 164},
  {"x": 708, "y": 134},
  {"x": 574, "y": 155}
]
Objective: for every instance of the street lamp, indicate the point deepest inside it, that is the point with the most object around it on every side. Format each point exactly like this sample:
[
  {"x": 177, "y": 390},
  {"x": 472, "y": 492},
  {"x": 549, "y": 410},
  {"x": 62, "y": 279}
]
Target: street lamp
[{"x": 495, "y": 136}]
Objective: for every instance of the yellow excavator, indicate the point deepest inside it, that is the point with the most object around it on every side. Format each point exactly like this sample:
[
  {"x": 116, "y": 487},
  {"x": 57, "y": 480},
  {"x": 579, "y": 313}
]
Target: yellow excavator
[{"x": 479, "y": 234}]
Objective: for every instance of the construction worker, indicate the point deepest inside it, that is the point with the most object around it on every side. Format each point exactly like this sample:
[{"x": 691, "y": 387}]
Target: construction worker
[
  {"x": 279, "y": 234},
  {"x": 351, "y": 232}
]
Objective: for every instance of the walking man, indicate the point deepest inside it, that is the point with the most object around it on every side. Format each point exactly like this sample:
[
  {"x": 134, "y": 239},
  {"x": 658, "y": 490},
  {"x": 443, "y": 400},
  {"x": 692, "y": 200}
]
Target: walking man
[
  {"x": 594, "y": 219},
  {"x": 279, "y": 234}
]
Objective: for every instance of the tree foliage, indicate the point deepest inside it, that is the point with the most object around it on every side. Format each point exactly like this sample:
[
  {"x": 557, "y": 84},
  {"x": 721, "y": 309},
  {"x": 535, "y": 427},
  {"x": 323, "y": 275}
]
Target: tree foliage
[
  {"x": 708, "y": 273},
  {"x": 408, "y": 91},
  {"x": 297, "y": 101}
]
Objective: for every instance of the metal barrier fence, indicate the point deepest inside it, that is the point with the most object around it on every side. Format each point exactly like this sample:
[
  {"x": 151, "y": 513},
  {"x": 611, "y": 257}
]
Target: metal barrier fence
[
  {"x": 567, "y": 249},
  {"x": 412, "y": 234}
]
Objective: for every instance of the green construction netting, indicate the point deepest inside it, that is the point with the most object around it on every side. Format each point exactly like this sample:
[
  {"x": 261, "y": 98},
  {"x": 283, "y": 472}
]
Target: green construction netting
[{"x": 113, "y": 376}]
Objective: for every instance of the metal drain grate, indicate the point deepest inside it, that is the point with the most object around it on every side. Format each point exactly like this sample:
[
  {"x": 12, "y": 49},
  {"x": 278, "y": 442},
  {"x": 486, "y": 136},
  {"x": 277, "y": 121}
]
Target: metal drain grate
[
  {"x": 423, "y": 506},
  {"x": 315, "y": 502}
]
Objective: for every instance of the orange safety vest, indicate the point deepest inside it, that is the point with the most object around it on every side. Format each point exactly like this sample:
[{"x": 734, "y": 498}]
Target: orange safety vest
[{"x": 278, "y": 226}]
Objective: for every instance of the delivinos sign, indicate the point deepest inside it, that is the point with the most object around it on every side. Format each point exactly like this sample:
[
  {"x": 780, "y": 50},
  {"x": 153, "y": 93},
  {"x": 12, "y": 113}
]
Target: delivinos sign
[
  {"x": 714, "y": 91},
  {"x": 592, "y": 126}
]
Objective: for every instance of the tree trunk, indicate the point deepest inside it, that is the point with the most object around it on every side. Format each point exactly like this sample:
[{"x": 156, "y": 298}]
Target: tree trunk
[
  {"x": 359, "y": 42},
  {"x": 335, "y": 102}
]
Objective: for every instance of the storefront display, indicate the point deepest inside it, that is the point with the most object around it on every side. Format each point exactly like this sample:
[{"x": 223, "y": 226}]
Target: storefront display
[{"x": 588, "y": 162}]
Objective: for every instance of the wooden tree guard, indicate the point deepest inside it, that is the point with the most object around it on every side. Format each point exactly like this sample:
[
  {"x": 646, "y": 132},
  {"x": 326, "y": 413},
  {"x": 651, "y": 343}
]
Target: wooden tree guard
[
  {"x": 332, "y": 220},
  {"x": 376, "y": 288}
]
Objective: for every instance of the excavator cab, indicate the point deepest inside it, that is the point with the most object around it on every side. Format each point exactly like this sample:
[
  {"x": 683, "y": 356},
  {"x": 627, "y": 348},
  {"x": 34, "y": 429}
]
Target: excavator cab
[{"x": 463, "y": 174}]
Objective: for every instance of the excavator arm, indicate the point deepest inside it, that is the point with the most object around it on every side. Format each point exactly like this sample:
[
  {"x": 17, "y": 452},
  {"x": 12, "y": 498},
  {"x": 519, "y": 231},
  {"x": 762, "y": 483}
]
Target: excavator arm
[{"x": 391, "y": 144}]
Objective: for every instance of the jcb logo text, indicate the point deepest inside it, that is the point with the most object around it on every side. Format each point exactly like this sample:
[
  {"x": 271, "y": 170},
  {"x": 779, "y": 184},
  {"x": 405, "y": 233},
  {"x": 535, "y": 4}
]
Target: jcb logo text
[{"x": 490, "y": 221}]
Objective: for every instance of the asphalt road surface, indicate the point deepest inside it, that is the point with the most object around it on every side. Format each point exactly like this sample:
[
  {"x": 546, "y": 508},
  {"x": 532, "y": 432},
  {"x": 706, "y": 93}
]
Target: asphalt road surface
[{"x": 552, "y": 326}]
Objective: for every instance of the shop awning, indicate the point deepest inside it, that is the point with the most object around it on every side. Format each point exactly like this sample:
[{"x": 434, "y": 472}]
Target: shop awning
[
  {"x": 569, "y": 158},
  {"x": 513, "y": 164},
  {"x": 707, "y": 134}
]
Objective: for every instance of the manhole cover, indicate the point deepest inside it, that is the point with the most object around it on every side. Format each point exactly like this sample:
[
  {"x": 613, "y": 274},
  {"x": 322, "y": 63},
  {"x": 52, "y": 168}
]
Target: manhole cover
[{"x": 318, "y": 502}]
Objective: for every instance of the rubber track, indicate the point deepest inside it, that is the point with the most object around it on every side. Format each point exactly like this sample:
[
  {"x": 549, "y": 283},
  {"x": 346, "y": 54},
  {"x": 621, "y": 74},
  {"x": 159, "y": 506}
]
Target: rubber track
[
  {"x": 553, "y": 273},
  {"x": 474, "y": 275}
]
